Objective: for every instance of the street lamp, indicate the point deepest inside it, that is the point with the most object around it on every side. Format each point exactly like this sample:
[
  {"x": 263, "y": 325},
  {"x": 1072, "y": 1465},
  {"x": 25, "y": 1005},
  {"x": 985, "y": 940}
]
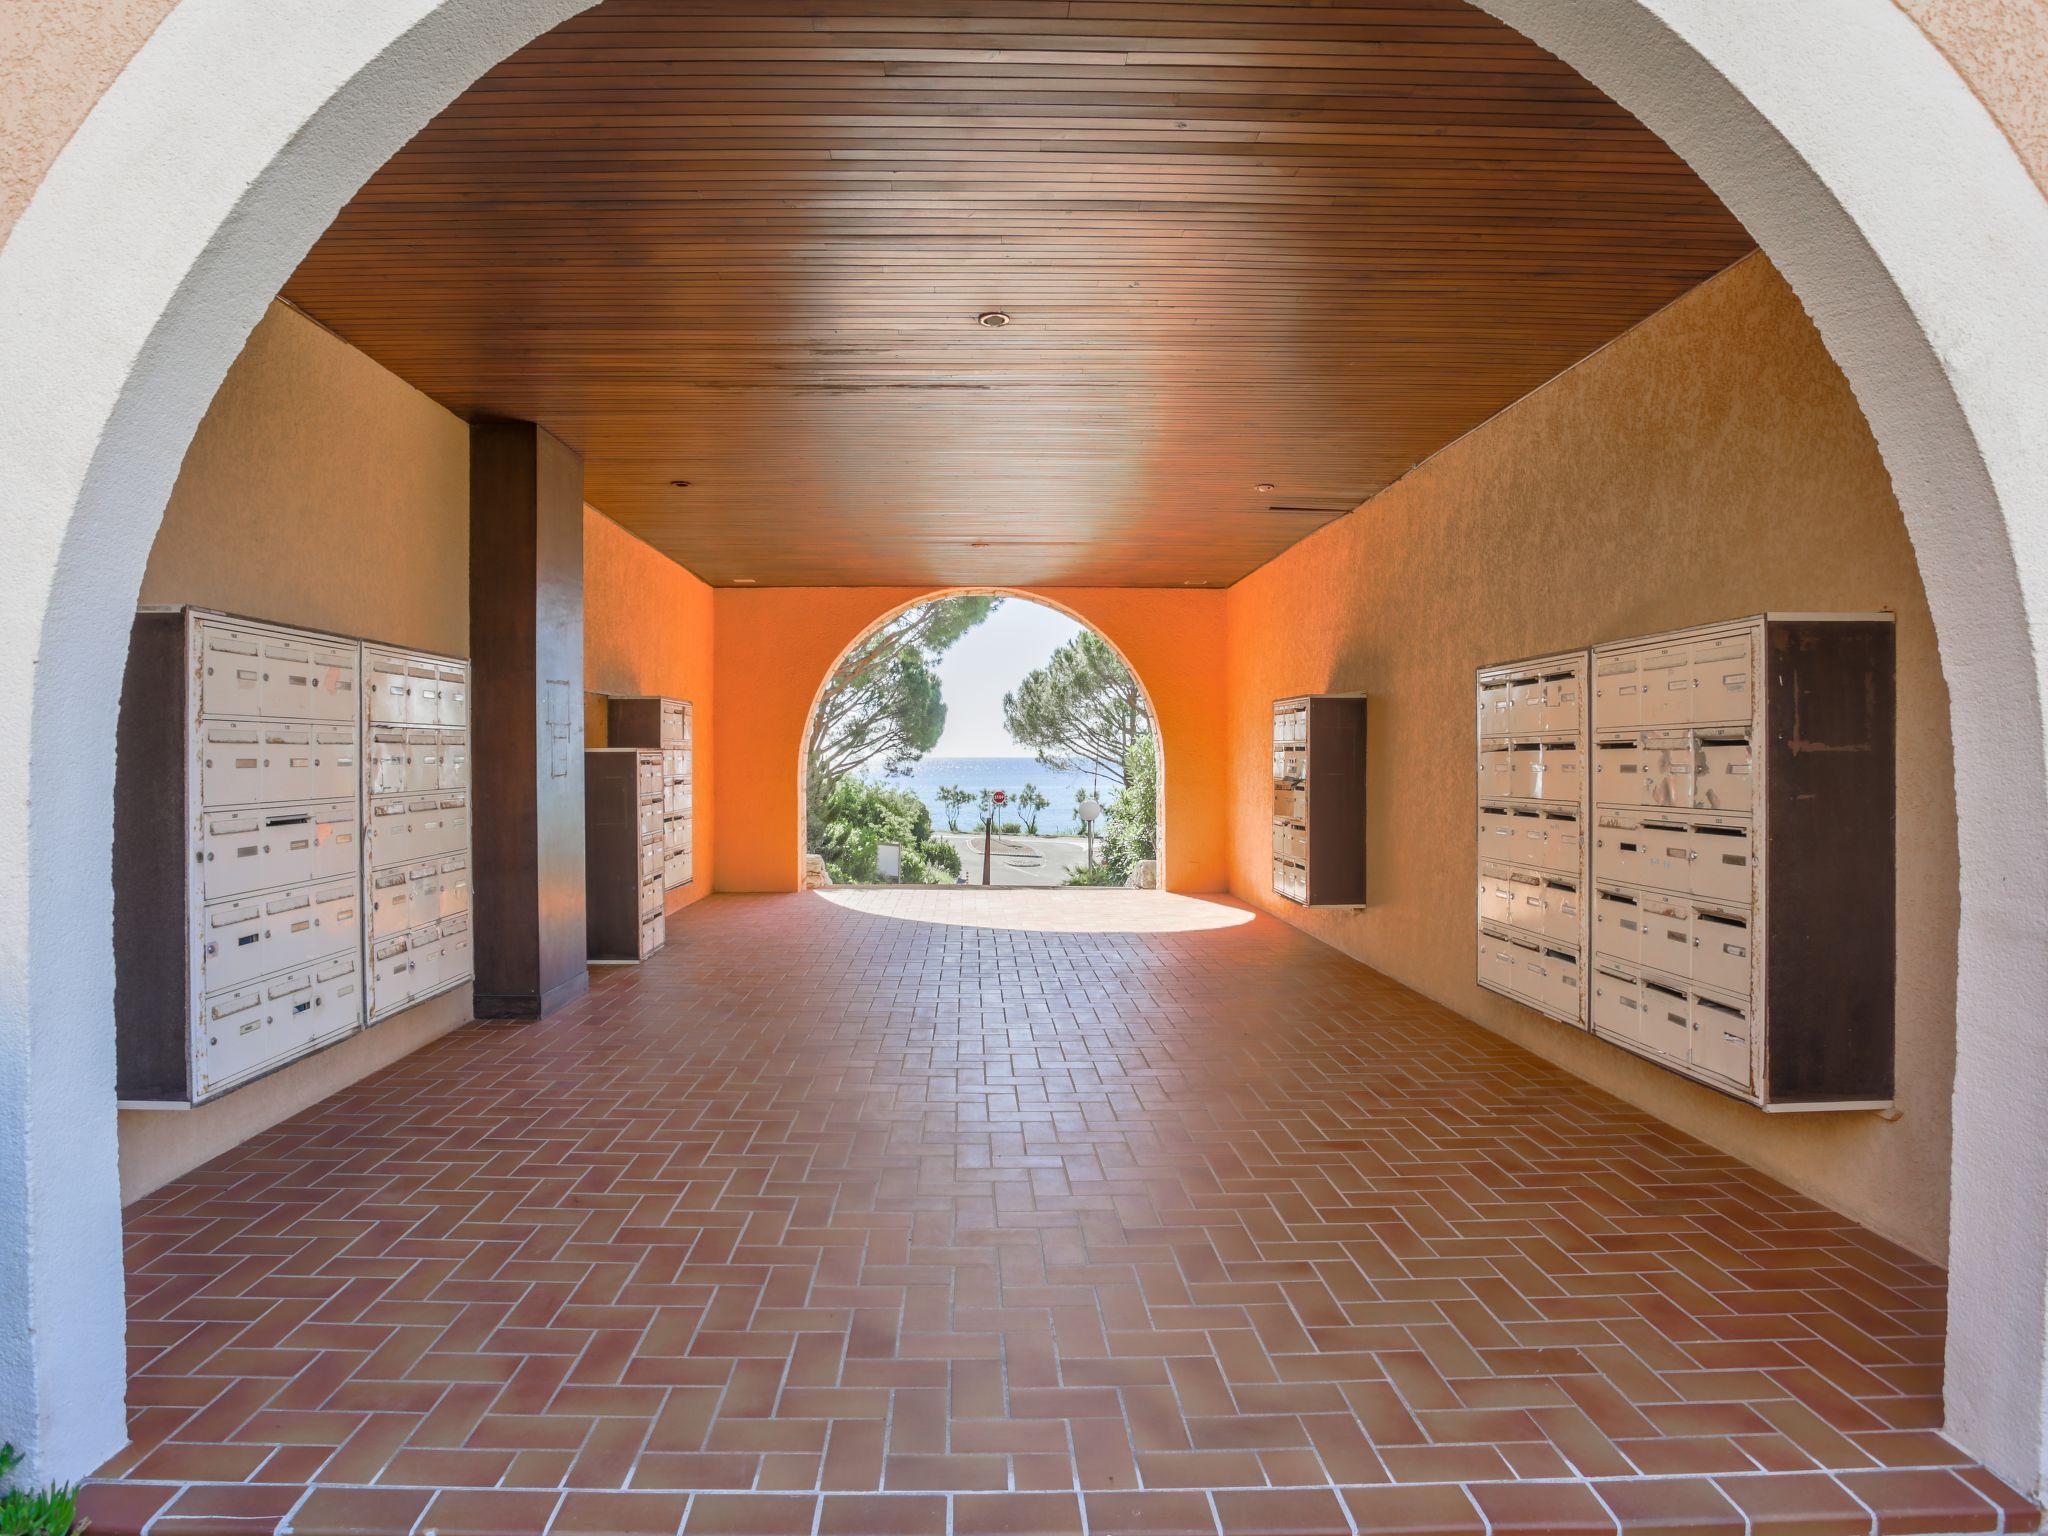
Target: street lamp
[
  {"x": 1089, "y": 810},
  {"x": 988, "y": 828}
]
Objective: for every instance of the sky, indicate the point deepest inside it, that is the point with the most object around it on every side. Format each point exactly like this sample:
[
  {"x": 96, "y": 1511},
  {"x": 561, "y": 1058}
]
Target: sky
[{"x": 988, "y": 662}]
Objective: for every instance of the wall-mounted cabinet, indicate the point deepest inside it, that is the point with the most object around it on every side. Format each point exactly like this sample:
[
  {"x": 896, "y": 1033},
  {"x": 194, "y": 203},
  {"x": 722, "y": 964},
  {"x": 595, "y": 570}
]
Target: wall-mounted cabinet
[
  {"x": 1716, "y": 857},
  {"x": 240, "y": 819},
  {"x": 1743, "y": 856},
  {"x": 667, "y": 726},
  {"x": 625, "y": 852},
  {"x": 1533, "y": 817},
  {"x": 1319, "y": 800}
]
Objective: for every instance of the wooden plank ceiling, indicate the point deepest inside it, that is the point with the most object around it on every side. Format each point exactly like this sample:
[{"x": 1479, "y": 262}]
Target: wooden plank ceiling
[{"x": 1259, "y": 260}]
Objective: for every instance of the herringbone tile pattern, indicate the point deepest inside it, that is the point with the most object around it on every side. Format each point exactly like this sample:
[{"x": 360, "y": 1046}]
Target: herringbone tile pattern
[{"x": 841, "y": 1220}]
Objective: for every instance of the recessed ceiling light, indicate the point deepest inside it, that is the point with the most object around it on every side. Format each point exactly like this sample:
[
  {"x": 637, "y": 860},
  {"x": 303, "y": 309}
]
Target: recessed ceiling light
[
  {"x": 1264, "y": 487},
  {"x": 743, "y": 581},
  {"x": 992, "y": 319},
  {"x": 681, "y": 485}
]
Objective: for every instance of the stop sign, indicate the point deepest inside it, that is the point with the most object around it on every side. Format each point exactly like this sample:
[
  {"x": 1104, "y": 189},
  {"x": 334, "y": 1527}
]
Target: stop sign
[{"x": 1000, "y": 797}]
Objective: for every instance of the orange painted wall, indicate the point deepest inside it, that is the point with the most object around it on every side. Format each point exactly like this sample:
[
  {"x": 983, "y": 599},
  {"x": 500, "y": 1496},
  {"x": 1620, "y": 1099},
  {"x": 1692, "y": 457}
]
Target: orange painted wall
[
  {"x": 647, "y": 629},
  {"x": 776, "y": 645}
]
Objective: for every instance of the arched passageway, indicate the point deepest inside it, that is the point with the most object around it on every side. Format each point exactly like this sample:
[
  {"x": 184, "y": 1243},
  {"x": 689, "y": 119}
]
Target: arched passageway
[
  {"x": 146, "y": 257},
  {"x": 853, "y": 734},
  {"x": 1172, "y": 641}
]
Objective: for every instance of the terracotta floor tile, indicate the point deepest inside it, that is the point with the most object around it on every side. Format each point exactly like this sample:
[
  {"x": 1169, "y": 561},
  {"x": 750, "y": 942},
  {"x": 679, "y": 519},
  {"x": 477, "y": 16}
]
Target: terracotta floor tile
[
  {"x": 180, "y": 1462},
  {"x": 1016, "y": 1514},
  {"x": 1150, "y": 1514},
  {"x": 359, "y": 1511},
  {"x": 750, "y": 1514},
  {"x": 1445, "y": 1463},
  {"x": 1668, "y": 1505},
  {"x": 930, "y": 1474},
  {"x": 882, "y": 1514},
  {"x": 2018, "y": 1513},
  {"x": 1686, "y": 1453},
  {"x": 1921, "y": 1502},
  {"x": 1796, "y": 1505},
  {"x": 914, "y": 1194},
  {"x": 122, "y": 1509},
  {"x": 1437, "y": 1509},
  {"x": 259, "y": 1502},
  {"x": 1281, "y": 1512},
  {"x": 1542, "y": 1509},
  {"x": 619, "y": 1514},
  {"x": 489, "y": 1512}
]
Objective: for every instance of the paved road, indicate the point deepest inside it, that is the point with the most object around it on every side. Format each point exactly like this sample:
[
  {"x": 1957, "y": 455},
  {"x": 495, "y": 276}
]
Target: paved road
[{"x": 1020, "y": 860}]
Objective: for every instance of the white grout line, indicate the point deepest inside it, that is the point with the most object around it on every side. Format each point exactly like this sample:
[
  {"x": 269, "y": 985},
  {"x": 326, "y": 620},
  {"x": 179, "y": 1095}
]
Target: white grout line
[{"x": 1485, "y": 1520}]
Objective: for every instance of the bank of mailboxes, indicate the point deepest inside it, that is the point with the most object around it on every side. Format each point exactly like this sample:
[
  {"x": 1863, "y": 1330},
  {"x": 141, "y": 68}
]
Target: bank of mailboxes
[
  {"x": 1532, "y": 832},
  {"x": 667, "y": 726},
  {"x": 417, "y": 832},
  {"x": 1319, "y": 800},
  {"x": 244, "y": 931},
  {"x": 1290, "y": 799},
  {"x": 1738, "y": 856}
]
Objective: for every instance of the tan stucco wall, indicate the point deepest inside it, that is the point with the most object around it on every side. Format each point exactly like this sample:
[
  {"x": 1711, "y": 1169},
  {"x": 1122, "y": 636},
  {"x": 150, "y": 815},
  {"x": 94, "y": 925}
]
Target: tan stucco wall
[
  {"x": 2001, "y": 48},
  {"x": 1709, "y": 464},
  {"x": 321, "y": 490},
  {"x": 57, "y": 57}
]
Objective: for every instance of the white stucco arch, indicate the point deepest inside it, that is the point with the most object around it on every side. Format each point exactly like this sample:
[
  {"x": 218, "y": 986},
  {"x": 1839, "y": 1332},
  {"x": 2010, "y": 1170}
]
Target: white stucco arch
[{"x": 1863, "y": 163}]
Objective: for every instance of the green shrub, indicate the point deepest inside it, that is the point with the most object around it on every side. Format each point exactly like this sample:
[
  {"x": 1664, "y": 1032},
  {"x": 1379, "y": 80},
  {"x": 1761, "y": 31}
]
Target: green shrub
[
  {"x": 858, "y": 816},
  {"x": 49, "y": 1511},
  {"x": 1130, "y": 821}
]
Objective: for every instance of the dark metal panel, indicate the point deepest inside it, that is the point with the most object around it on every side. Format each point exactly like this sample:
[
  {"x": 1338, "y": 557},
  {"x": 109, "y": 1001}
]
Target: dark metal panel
[
  {"x": 611, "y": 797},
  {"x": 1831, "y": 864},
  {"x": 1336, "y": 802},
  {"x": 151, "y": 995}
]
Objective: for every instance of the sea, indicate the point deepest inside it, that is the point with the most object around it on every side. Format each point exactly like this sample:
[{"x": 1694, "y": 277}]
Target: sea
[{"x": 975, "y": 774}]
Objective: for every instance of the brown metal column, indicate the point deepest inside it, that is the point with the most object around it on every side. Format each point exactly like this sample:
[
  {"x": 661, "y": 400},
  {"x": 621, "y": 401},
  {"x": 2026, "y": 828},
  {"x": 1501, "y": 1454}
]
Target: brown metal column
[{"x": 526, "y": 718}]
